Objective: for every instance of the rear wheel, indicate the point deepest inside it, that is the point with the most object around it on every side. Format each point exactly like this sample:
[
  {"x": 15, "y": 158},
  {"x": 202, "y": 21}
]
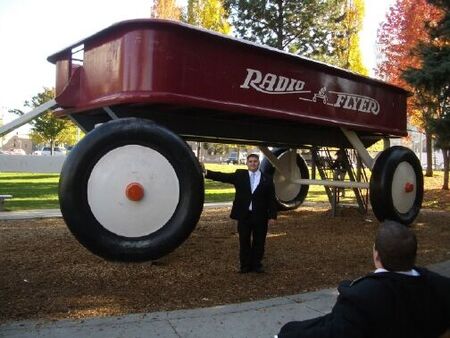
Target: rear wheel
[
  {"x": 289, "y": 195},
  {"x": 131, "y": 190},
  {"x": 396, "y": 185}
]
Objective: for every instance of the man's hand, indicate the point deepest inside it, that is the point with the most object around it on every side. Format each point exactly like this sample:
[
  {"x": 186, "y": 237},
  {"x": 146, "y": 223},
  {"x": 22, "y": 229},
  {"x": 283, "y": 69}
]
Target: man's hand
[
  {"x": 202, "y": 165},
  {"x": 272, "y": 221}
]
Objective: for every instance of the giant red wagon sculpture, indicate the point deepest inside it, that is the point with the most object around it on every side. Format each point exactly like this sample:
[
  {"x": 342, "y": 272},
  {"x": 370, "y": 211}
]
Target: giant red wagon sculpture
[{"x": 133, "y": 190}]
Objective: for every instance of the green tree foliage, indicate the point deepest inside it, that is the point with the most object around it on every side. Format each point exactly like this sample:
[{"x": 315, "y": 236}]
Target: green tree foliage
[
  {"x": 325, "y": 30},
  {"x": 215, "y": 148},
  {"x": 165, "y": 9},
  {"x": 295, "y": 26},
  {"x": 347, "y": 42},
  {"x": 47, "y": 129},
  {"x": 433, "y": 77},
  {"x": 209, "y": 14}
]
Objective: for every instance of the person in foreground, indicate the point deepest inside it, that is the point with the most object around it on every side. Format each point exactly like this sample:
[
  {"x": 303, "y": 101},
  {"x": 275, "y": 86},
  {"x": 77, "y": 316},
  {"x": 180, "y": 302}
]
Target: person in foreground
[
  {"x": 397, "y": 300},
  {"x": 254, "y": 207}
]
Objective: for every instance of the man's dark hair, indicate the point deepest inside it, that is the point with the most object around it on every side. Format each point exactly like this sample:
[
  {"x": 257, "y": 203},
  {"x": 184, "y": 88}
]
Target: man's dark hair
[
  {"x": 396, "y": 245},
  {"x": 253, "y": 155}
]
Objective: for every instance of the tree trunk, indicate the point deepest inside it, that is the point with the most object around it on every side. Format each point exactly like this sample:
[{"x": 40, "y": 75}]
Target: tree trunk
[
  {"x": 199, "y": 146},
  {"x": 280, "y": 25},
  {"x": 52, "y": 147},
  {"x": 446, "y": 155},
  {"x": 429, "y": 147}
]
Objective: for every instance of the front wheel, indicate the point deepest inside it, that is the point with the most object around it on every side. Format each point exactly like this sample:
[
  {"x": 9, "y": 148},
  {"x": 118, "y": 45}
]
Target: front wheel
[
  {"x": 131, "y": 190},
  {"x": 396, "y": 185}
]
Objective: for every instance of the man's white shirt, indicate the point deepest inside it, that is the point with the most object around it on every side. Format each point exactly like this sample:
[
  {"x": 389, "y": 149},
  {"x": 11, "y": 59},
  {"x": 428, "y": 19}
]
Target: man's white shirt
[{"x": 254, "y": 182}]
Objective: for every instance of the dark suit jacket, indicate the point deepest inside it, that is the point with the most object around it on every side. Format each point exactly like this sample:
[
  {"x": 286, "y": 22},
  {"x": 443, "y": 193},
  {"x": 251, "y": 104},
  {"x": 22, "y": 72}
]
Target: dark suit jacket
[
  {"x": 263, "y": 200},
  {"x": 384, "y": 305}
]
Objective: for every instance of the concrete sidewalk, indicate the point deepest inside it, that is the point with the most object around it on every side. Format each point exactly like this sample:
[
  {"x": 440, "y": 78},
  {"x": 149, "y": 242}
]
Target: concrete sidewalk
[
  {"x": 253, "y": 319},
  {"x": 49, "y": 213}
]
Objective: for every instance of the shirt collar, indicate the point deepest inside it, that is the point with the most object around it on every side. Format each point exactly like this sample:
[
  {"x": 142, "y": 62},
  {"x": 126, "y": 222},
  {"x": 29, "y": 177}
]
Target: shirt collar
[{"x": 411, "y": 272}]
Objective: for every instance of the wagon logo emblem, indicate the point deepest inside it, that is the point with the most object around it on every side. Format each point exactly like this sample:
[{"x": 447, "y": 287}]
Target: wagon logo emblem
[
  {"x": 273, "y": 84},
  {"x": 361, "y": 103}
]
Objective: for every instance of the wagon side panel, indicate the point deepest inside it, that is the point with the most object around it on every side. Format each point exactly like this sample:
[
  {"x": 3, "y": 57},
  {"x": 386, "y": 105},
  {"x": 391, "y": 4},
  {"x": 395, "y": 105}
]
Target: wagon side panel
[{"x": 165, "y": 63}]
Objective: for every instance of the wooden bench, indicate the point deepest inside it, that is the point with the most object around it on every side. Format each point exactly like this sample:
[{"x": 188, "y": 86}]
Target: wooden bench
[{"x": 2, "y": 201}]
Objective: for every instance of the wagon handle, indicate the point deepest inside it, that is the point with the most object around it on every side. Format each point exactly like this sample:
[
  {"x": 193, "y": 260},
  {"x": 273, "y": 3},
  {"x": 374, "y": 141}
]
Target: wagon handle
[{"x": 27, "y": 117}]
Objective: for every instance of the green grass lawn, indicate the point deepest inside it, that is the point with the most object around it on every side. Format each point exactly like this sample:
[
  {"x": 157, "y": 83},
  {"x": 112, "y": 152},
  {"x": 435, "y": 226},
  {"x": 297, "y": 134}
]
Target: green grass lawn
[
  {"x": 40, "y": 191},
  {"x": 29, "y": 190}
]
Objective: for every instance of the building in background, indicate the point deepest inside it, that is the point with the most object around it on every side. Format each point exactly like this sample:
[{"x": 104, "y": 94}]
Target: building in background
[
  {"x": 416, "y": 142},
  {"x": 14, "y": 142}
]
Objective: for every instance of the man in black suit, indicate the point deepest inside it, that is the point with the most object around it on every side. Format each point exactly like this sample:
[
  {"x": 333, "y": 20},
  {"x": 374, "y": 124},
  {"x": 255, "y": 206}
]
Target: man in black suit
[
  {"x": 254, "y": 207},
  {"x": 397, "y": 300}
]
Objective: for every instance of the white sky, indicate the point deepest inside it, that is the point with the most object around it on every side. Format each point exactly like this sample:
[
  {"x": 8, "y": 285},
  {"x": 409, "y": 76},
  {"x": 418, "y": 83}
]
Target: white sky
[{"x": 32, "y": 30}]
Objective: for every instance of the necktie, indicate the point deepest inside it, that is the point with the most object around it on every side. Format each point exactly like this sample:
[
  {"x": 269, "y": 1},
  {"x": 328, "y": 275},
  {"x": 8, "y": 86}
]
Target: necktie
[{"x": 252, "y": 181}]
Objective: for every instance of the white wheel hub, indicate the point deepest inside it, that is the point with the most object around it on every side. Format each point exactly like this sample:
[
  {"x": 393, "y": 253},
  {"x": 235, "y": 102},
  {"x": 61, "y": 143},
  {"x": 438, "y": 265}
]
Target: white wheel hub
[
  {"x": 285, "y": 189},
  {"x": 404, "y": 187},
  {"x": 151, "y": 178}
]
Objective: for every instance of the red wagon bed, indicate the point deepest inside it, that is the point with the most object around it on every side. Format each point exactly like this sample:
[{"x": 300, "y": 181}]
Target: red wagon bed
[{"x": 205, "y": 86}]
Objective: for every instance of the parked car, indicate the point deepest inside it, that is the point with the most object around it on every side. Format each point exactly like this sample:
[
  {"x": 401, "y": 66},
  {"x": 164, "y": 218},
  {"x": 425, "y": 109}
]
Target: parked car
[
  {"x": 233, "y": 158},
  {"x": 13, "y": 151},
  {"x": 47, "y": 151}
]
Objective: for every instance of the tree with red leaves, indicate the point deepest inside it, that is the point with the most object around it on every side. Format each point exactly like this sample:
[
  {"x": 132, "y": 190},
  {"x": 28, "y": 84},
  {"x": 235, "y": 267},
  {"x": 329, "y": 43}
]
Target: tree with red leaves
[
  {"x": 433, "y": 77},
  {"x": 398, "y": 36}
]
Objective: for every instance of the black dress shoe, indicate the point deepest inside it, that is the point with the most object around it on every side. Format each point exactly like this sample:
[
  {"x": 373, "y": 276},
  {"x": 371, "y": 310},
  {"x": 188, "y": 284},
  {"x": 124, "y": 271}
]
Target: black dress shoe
[{"x": 245, "y": 269}]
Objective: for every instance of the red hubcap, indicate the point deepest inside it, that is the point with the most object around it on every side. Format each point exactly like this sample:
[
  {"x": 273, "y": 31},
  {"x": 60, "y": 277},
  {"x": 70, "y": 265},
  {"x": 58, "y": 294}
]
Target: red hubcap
[
  {"x": 134, "y": 191},
  {"x": 409, "y": 187}
]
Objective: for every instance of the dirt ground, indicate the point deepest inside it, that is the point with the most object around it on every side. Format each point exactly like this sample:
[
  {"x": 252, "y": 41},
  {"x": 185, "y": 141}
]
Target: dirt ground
[{"x": 46, "y": 274}]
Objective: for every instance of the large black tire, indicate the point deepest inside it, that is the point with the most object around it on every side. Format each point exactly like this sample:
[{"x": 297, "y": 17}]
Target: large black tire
[
  {"x": 103, "y": 217},
  {"x": 289, "y": 195},
  {"x": 396, "y": 185}
]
